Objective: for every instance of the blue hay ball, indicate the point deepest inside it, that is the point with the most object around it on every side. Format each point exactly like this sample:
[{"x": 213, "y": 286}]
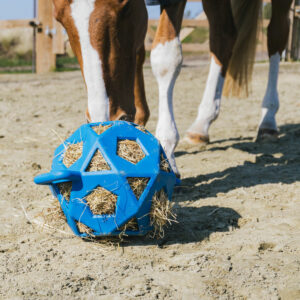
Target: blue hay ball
[{"x": 114, "y": 177}]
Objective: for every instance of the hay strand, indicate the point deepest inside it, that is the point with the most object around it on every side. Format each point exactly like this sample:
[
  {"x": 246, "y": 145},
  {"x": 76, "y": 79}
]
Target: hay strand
[
  {"x": 131, "y": 225},
  {"x": 99, "y": 129},
  {"x": 141, "y": 128},
  {"x": 161, "y": 213},
  {"x": 130, "y": 150},
  {"x": 84, "y": 229},
  {"x": 72, "y": 154}
]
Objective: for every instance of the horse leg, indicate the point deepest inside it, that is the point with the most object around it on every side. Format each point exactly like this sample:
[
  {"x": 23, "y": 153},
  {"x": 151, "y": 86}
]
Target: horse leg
[
  {"x": 105, "y": 36},
  {"x": 222, "y": 38},
  {"x": 278, "y": 31},
  {"x": 166, "y": 60},
  {"x": 142, "y": 110}
]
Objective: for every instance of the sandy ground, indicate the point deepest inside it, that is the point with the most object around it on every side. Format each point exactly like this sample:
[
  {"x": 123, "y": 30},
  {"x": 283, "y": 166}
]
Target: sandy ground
[{"x": 238, "y": 235}]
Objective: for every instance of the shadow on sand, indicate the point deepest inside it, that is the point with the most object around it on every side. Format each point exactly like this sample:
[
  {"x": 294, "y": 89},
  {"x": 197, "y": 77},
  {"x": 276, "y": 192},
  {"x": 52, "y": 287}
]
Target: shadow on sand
[
  {"x": 275, "y": 162},
  {"x": 195, "y": 224}
]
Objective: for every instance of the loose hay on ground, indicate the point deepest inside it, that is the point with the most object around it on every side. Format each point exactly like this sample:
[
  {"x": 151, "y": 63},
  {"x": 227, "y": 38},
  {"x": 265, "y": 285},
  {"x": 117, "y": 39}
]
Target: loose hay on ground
[
  {"x": 72, "y": 154},
  {"x": 53, "y": 215}
]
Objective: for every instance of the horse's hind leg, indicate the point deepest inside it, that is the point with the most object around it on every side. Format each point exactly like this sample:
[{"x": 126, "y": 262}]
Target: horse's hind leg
[
  {"x": 166, "y": 60},
  {"x": 278, "y": 32},
  {"x": 222, "y": 39},
  {"x": 142, "y": 110}
]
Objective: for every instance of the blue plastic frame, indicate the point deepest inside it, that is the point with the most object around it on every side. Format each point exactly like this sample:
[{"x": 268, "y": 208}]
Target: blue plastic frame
[{"x": 113, "y": 180}]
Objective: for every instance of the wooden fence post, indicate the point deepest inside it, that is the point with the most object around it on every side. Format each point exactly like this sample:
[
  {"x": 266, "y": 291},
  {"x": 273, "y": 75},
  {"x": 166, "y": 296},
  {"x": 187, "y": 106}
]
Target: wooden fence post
[{"x": 45, "y": 57}]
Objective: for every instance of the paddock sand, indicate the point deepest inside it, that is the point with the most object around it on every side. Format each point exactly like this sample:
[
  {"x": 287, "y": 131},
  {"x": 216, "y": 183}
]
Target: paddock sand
[{"x": 238, "y": 235}]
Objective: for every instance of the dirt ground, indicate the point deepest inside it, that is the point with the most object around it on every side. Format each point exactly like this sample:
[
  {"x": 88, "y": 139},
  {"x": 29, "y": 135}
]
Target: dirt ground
[{"x": 238, "y": 208}]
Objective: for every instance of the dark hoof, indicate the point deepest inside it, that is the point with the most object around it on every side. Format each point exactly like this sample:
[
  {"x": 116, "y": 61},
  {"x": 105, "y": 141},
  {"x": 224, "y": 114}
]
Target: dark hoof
[
  {"x": 196, "y": 139},
  {"x": 267, "y": 135}
]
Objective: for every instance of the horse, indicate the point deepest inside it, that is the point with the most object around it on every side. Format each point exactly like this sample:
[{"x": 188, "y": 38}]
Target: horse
[{"x": 107, "y": 37}]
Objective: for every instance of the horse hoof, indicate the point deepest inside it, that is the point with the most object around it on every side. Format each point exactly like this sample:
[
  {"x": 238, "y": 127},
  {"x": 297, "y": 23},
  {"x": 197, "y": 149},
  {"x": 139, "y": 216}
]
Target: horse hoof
[
  {"x": 196, "y": 139},
  {"x": 267, "y": 135}
]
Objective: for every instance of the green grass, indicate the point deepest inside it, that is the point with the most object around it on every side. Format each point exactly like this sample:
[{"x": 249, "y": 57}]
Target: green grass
[
  {"x": 66, "y": 63},
  {"x": 199, "y": 35},
  {"x": 14, "y": 62},
  {"x": 16, "y": 72}
]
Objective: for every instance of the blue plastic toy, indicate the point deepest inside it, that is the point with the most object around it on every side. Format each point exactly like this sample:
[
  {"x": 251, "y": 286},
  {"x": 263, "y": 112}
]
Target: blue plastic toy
[{"x": 114, "y": 179}]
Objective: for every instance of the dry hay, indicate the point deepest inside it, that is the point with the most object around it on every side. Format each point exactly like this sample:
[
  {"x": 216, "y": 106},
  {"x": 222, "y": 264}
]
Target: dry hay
[
  {"x": 65, "y": 189},
  {"x": 99, "y": 129},
  {"x": 131, "y": 225},
  {"x": 54, "y": 214},
  {"x": 98, "y": 163},
  {"x": 130, "y": 150},
  {"x": 102, "y": 202},
  {"x": 72, "y": 154},
  {"x": 161, "y": 213},
  {"x": 138, "y": 185},
  {"x": 84, "y": 229},
  {"x": 164, "y": 164},
  {"x": 141, "y": 128}
]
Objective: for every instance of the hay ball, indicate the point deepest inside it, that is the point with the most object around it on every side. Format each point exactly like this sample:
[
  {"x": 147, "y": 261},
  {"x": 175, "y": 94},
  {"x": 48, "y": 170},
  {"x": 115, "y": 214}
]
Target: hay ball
[{"x": 112, "y": 178}]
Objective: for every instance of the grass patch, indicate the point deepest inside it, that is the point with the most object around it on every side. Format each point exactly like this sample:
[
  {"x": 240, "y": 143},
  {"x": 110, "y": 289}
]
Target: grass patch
[
  {"x": 66, "y": 63},
  {"x": 14, "y": 62},
  {"x": 199, "y": 35}
]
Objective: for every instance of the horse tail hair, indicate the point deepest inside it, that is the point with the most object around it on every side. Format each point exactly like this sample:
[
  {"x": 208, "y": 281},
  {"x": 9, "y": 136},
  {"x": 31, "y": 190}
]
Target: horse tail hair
[{"x": 239, "y": 73}]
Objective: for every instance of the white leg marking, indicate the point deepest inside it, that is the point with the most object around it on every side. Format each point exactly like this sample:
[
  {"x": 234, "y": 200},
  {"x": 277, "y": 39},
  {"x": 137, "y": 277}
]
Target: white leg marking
[
  {"x": 98, "y": 102},
  {"x": 270, "y": 103},
  {"x": 166, "y": 60},
  {"x": 209, "y": 108}
]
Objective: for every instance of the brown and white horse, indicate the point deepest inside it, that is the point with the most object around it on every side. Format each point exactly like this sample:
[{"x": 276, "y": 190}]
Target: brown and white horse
[{"x": 107, "y": 37}]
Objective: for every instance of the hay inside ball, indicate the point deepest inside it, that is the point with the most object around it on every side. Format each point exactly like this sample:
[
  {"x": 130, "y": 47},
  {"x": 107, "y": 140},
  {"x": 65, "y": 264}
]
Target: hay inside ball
[{"x": 112, "y": 178}]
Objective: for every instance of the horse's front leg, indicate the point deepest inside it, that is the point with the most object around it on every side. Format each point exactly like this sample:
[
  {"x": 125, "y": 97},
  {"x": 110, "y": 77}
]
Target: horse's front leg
[
  {"x": 166, "y": 60},
  {"x": 222, "y": 39},
  {"x": 278, "y": 32}
]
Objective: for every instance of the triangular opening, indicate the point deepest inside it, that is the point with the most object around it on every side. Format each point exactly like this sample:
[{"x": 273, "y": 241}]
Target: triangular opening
[
  {"x": 97, "y": 163},
  {"x": 138, "y": 185}
]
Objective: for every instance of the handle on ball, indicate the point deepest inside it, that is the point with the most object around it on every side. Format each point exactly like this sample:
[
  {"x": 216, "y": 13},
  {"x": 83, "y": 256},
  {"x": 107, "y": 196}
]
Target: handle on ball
[{"x": 49, "y": 178}]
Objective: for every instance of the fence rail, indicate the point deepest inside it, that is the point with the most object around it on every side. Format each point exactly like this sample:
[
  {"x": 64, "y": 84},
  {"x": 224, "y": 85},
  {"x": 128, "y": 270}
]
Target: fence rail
[{"x": 49, "y": 39}]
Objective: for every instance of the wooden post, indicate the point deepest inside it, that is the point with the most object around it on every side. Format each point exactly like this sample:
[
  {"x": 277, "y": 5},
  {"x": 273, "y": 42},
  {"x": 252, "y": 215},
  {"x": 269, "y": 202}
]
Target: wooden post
[{"x": 45, "y": 57}]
